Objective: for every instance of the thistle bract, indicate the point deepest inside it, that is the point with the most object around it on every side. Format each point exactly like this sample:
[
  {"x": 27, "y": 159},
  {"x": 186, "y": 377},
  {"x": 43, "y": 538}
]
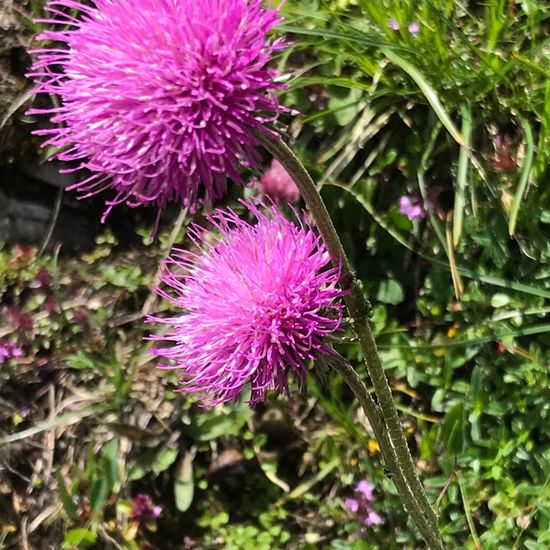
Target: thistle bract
[
  {"x": 258, "y": 301},
  {"x": 159, "y": 99}
]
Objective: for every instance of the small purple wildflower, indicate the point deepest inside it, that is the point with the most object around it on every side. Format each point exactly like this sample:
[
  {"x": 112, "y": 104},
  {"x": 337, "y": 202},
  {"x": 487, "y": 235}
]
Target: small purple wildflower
[
  {"x": 413, "y": 28},
  {"x": 19, "y": 319},
  {"x": 143, "y": 510},
  {"x": 160, "y": 100},
  {"x": 365, "y": 488},
  {"x": 393, "y": 24},
  {"x": 9, "y": 350},
  {"x": 259, "y": 301},
  {"x": 277, "y": 184},
  {"x": 42, "y": 279},
  {"x": 412, "y": 208},
  {"x": 360, "y": 505},
  {"x": 373, "y": 519}
]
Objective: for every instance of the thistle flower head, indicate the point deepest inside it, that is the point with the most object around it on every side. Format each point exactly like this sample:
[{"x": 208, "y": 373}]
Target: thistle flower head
[
  {"x": 159, "y": 99},
  {"x": 277, "y": 184},
  {"x": 258, "y": 300}
]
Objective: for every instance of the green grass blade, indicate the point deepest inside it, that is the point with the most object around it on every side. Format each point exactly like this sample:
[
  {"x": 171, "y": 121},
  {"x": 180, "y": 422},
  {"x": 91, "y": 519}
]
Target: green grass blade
[
  {"x": 64, "y": 420},
  {"x": 524, "y": 177},
  {"x": 358, "y": 37},
  {"x": 468, "y": 512},
  {"x": 461, "y": 178},
  {"x": 429, "y": 93},
  {"x": 496, "y": 335}
]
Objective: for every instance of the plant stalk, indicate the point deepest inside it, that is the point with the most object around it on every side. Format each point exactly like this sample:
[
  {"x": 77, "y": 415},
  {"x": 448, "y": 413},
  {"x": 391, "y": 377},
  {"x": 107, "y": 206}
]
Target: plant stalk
[
  {"x": 379, "y": 428},
  {"x": 359, "y": 311}
]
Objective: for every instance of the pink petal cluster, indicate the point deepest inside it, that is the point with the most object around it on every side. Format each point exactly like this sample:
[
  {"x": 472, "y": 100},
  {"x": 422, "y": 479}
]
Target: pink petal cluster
[
  {"x": 277, "y": 184},
  {"x": 160, "y": 100},
  {"x": 9, "y": 350},
  {"x": 143, "y": 510},
  {"x": 258, "y": 300},
  {"x": 412, "y": 207},
  {"x": 361, "y": 504}
]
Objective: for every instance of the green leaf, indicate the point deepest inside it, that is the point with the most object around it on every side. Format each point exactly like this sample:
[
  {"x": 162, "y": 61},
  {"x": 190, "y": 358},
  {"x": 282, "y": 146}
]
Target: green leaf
[
  {"x": 345, "y": 105},
  {"x": 164, "y": 459},
  {"x": 99, "y": 494},
  {"x": 64, "y": 494},
  {"x": 463, "y": 158},
  {"x": 390, "y": 291},
  {"x": 453, "y": 430},
  {"x": 500, "y": 300},
  {"x": 429, "y": 93},
  {"x": 184, "y": 486},
  {"x": 80, "y": 538},
  {"x": 524, "y": 177},
  {"x": 110, "y": 463},
  {"x": 81, "y": 360}
]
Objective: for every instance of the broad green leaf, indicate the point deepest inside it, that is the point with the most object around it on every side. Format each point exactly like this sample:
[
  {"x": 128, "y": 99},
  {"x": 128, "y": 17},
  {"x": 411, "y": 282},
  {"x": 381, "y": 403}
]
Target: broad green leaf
[
  {"x": 500, "y": 300},
  {"x": 164, "y": 459},
  {"x": 183, "y": 485},
  {"x": 390, "y": 291}
]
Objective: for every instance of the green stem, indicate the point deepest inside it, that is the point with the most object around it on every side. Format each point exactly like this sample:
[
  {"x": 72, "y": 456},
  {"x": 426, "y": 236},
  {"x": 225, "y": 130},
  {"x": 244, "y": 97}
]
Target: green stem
[
  {"x": 359, "y": 309},
  {"x": 379, "y": 428}
]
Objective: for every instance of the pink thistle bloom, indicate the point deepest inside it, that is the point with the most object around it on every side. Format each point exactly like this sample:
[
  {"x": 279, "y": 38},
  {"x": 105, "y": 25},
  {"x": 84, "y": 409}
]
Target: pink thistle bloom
[
  {"x": 160, "y": 100},
  {"x": 277, "y": 184},
  {"x": 412, "y": 208},
  {"x": 259, "y": 301}
]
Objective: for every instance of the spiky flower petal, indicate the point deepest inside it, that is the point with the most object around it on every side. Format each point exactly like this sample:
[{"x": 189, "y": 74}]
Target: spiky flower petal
[
  {"x": 159, "y": 99},
  {"x": 258, "y": 302}
]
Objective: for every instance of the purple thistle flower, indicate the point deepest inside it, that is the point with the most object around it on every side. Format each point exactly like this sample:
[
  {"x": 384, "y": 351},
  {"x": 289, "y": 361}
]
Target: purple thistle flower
[
  {"x": 277, "y": 184},
  {"x": 157, "y": 96},
  {"x": 412, "y": 208},
  {"x": 258, "y": 299}
]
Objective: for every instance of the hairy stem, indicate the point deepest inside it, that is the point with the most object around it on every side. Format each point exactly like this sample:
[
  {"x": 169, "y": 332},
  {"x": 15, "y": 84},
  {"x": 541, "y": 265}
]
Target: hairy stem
[
  {"x": 379, "y": 428},
  {"x": 359, "y": 309}
]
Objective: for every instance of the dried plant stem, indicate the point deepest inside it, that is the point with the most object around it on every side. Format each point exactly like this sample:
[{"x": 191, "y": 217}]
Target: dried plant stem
[{"x": 359, "y": 309}]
